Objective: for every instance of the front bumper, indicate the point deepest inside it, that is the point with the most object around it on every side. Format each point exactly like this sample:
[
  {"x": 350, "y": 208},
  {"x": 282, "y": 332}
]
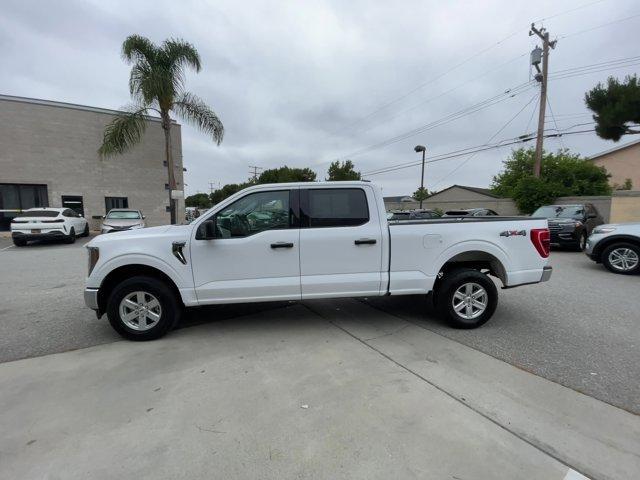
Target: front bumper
[
  {"x": 91, "y": 298},
  {"x": 560, "y": 239}
]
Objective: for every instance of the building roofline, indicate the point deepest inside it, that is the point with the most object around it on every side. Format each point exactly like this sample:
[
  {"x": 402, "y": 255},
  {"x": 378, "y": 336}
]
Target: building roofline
[
  {"x": 72, "y": 106},
  {"x": 478, "y": 190},
  {"x": 614, "y": 149}
]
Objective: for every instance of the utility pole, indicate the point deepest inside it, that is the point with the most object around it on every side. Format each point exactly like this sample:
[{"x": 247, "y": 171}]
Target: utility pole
[
  {"x": 211, "y": 184},
  {"x": 421, "y": 148},
  {"x": 255, "y": 171},
  {"x": 542, "y": 78}
]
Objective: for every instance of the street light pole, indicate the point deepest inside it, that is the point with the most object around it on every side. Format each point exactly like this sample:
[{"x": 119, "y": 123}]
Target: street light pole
[{"x": 421, "y": 148}]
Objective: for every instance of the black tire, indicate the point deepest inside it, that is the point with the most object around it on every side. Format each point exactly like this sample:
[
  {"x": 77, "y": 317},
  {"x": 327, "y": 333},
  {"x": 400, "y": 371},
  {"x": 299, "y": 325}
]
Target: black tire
[
  {"x": 170, "y": 312},
  {"x": 71, "y": 238},
  {"x": 606, "y": 260},
  {"x": 450, "y": 283},
  {"x": 582, "y": 242},
  {"x": 85, "y": 233},
  {"x": 19, "y": 242}
]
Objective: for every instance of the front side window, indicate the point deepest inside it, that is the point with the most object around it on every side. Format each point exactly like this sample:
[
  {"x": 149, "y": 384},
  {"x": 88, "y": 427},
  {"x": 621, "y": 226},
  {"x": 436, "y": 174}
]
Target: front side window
[
  {"x": 254, "y": 213},
  {"x": 336, "y": 207}
]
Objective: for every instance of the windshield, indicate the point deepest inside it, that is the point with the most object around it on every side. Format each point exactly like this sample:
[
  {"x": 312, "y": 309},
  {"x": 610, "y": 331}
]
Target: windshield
[
  {"x": 559, "y": 211},
  {"x": 120, "y": 215},
  {"x": 39, "y": 213}
]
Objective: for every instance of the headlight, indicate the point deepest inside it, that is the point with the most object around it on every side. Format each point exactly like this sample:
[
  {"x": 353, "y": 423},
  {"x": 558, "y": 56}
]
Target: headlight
[
  {"x": 94, "y": 254},
  {"x": 136, "y": 226},
  {"x": 599, "y": 230}
]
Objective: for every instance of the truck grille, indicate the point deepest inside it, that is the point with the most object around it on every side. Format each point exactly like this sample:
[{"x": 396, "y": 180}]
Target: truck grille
[{"x": 554, "y": 227}]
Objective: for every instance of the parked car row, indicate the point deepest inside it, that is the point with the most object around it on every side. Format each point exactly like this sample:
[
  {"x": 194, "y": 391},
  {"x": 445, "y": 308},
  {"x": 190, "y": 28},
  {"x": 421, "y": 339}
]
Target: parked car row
[
  {"x": 420, "y": 214},
  {"x": 66, "y": 224}
]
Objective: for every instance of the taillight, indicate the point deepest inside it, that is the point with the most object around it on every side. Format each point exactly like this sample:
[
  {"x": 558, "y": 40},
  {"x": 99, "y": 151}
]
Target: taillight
[
  {"x": 541, "y": 239},
  {"x": 53, "y": 221}
]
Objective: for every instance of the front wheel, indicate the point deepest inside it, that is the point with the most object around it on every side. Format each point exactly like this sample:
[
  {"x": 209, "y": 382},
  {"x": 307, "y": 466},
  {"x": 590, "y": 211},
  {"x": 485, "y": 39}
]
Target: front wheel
[
  {"x": 582, "y": 242},
  {"x": 466, "y": 298},
  {"x": 143, "y": 308},
  {"x": 622, "y": 258},
  {"x": 85, "y": 232}
]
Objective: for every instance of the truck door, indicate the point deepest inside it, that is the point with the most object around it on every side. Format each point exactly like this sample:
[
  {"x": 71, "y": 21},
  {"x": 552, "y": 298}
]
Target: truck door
[
  {"x": 256, "y": 255},
  {"x": 340, "y": 242}
]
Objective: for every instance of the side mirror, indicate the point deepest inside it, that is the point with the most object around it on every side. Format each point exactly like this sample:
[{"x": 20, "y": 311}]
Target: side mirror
[
  {"x": 144, "y": 216},
  {"x": 207, "y": 230},
  {"x": 104, "y": 216}
]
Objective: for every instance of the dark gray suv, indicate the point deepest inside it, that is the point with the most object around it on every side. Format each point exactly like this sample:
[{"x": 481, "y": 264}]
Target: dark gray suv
[{"x": 570, "y": 225}]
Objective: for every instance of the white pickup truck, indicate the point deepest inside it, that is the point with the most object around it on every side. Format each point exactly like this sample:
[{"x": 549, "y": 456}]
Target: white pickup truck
[{"x": 300, "y": 241}]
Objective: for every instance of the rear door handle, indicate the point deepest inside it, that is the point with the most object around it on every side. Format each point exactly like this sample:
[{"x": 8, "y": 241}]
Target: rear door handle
[
  {"x": 282, "y": 245},
  {"x": 365, "y": 241}
]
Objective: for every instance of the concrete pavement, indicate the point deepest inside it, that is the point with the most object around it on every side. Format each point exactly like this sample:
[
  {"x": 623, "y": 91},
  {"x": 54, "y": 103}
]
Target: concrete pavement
[{"x": 306, "y": 391}]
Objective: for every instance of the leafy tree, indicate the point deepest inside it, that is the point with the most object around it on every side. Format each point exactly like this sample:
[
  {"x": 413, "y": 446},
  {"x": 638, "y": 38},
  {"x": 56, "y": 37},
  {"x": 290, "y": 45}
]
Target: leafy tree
[
  {"x": 287, "y": 175},
  {"x": 615, "y": 105},
  {"x": 341, "y": 171},
  {"x": 156, "y": 84},
  {"x": 218, "y": 195},
  {"x": 421, "y": 194},
  {"x": 562, "y": 174},
  {"x": 198, "y": 200},
  {"x": 627, "y": 185}
]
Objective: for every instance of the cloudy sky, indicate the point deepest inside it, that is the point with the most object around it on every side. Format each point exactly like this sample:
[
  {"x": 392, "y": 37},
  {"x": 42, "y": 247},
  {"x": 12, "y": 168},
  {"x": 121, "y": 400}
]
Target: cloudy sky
[{"x": 304, "y": 83}]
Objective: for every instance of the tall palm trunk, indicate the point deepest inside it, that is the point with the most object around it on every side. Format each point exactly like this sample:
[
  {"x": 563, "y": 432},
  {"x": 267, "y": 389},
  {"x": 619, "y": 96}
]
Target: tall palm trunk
[{"x": 166, "y": 126}]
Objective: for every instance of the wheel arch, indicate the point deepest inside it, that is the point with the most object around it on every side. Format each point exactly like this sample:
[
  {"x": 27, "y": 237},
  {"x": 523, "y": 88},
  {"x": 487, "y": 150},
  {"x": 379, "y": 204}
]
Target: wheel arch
[
  {"x": 476, "y": 259},
  {"x": 119, "y": 274},
  {"x": 606, "y": 242}
]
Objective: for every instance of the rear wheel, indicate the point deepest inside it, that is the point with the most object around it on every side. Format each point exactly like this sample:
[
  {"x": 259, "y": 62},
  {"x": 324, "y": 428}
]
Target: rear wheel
[
  {"x": 19, "y": 242},
  {"x": 622, "y": 258},
  {"x": 466, "y": 298},
  {"x": 143, "y": 308},
  {"x": 71, "y": 237}
]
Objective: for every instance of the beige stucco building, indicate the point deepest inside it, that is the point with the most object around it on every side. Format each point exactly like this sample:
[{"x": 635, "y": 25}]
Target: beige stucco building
[
  {"x": 621, "y": 162},
  {"x": 48, "y": 157}
]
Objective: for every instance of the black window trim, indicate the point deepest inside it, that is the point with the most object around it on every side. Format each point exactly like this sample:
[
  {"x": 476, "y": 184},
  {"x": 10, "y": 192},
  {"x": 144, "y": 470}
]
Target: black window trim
[
  {"x": 304, "y": 207},
  {"x": 294, "y": 212}
]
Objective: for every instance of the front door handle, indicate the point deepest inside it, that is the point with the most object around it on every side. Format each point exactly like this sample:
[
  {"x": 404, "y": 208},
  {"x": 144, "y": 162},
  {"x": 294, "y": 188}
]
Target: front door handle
[
  {"x": 365, "y": 241},
  {"x": 282, "y": 245}
]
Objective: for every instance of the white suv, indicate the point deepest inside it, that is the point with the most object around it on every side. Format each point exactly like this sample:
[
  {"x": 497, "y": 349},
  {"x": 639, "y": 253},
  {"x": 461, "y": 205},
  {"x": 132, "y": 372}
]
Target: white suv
[{"x": 48, "y": 223}]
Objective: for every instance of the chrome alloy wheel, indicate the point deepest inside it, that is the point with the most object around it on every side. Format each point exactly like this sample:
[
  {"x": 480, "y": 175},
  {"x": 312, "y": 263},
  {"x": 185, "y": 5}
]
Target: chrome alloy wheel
[
  {"x": 623, "y": 259},
  {"x": 470, "y": 300},
  {"x": 140, "y": 311}
]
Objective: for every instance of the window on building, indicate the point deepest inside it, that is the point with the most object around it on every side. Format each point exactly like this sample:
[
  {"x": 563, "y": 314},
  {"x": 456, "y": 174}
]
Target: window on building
[
  {"x": 115, "y": 202},
  {"x": 16, "y": 197},
  {"x": 336, "y": 207}
]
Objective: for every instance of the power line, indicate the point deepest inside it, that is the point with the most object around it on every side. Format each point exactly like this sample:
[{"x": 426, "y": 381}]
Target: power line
[
  {"x": 489, "y": 140},
  {"x": 464, "y": 62},
  {"x": 254, "y": 171},
  {"x": 555, "y": 123},
  {"x": 469, "y": 150},
  {"x": 509, "y": 93},
  {"x": 602, "y": 25}
]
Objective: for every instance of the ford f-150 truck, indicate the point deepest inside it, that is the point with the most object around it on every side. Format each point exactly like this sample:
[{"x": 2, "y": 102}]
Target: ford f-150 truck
[{"x": 300, "y": 241}]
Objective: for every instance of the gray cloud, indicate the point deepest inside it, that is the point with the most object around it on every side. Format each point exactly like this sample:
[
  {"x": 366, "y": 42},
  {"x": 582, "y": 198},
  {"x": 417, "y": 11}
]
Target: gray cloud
[{"x": 294, "y": 82}]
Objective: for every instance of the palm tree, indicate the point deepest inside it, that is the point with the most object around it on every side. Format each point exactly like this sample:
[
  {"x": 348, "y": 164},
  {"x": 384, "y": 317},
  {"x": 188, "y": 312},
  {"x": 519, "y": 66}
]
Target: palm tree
[{"x": 157, "y": 85}]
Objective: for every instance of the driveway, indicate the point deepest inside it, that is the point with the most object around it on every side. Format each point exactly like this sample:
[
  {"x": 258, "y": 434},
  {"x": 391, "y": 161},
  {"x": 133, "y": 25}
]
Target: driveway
[{"x": 579, "y": 329}]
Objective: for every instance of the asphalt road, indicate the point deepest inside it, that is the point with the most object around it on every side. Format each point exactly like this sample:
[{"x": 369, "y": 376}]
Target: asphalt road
[{"x": 579, "y": 329}]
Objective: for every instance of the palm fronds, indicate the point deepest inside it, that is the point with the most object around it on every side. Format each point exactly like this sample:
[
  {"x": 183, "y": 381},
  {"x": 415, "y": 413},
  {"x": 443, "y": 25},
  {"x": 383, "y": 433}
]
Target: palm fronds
[
  {"x": 198, "y": 113},
  {"x": 123, "y": 132}
]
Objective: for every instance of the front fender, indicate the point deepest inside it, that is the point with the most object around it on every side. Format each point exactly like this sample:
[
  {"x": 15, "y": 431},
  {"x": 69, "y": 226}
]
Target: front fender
[{"x": 101, "y": 271}]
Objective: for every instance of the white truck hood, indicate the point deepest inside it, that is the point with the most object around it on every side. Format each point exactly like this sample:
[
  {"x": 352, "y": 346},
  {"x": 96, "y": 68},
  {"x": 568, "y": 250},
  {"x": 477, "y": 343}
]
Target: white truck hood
[{"x": 177, "y": 232}]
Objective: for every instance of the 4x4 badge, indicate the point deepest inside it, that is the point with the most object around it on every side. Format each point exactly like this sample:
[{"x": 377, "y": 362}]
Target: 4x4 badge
[{"x": 511, "y": 233}]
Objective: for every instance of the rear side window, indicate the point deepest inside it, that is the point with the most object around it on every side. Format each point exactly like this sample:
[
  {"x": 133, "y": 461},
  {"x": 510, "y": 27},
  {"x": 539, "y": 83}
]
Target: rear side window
[
  {"x": 39, "y": 213},
  {"x": 335, "y": 207}
]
